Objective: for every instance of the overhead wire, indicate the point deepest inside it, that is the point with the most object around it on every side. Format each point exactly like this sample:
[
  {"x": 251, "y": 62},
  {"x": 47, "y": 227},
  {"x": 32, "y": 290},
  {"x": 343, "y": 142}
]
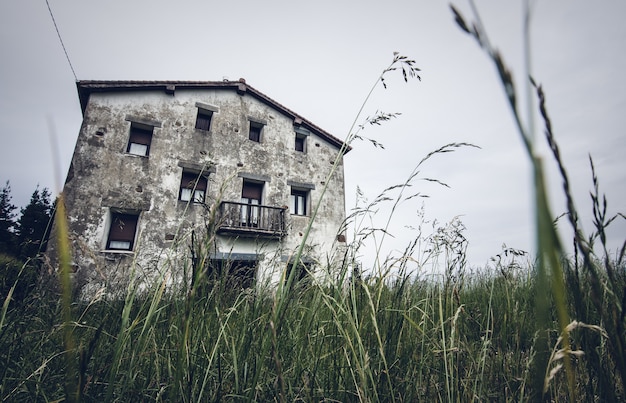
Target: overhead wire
[{"x": 61, "y": 40}]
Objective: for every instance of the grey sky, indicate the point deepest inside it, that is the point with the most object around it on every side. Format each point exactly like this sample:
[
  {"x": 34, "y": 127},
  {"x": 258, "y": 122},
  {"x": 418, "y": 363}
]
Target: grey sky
[{"x": 320, "y": 59}]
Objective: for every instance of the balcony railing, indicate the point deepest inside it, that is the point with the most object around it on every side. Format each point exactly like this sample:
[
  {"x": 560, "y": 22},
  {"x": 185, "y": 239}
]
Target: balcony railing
[{"x": 251, "y": 220}]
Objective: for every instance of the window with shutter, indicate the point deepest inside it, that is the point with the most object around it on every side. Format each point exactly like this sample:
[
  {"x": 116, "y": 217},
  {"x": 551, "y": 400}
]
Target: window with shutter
[
  {"x": 139, "y": 140},
  {"x": 251, "y": 193},
  {"x": 255, "y": 131},
  {"x": 122, "y": 231},
  {"x": 192, "y": 187},
  {"x": 203, "y": 120}
]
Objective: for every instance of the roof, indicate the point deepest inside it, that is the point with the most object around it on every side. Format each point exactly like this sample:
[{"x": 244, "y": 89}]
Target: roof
[{"x": 87, "y": 87}]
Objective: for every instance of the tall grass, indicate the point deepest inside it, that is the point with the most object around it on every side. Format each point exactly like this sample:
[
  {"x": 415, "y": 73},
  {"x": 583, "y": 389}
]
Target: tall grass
[
  {"x": 555, "y": 273},
  {"x": 398, "y": 333},
  {"x": 402, "y": 338},
  {"x": 373, "y": 342}
]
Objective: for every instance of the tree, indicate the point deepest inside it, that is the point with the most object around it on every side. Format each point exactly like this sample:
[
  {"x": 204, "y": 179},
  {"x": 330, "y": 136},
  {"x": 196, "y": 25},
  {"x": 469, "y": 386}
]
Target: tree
[
  {"x": 7, "y": 222},
  {"x": 34, "y": 224}
]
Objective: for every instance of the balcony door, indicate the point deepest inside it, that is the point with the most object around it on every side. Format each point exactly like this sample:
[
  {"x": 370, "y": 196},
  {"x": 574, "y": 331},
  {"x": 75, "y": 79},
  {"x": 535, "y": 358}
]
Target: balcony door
[{"x": 251, "y": 194}]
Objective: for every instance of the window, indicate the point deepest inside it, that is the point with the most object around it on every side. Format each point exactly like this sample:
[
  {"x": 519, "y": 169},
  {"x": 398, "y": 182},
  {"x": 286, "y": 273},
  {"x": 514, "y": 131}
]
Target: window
[
  {"x": 298, "y": 202},
  {"x": 122, "y": 231},
  {"x": 300, "y": 143},
  {"x": 301, "y": 275},
  {"x": 203, "y": 120},
  {"x": 192, "y": 187},
  {"x": 139, "y": 140},
  {"x": 255, "y": 131},
  {"x": 251, "y": 193},
  {"x": 301, "y": 135},
  {"x": 235, "y": 274}
]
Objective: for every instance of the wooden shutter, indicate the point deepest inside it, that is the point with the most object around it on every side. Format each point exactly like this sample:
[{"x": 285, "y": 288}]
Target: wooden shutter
[
  {"x": 189, "y": 180},
  {"x": 203, "y": 121},
  {"x": 123, "y": 227},
  {"x": 140, "y": 136},
  {"x": 255, "y": 131},
  {"x": 252, "y": 190}
]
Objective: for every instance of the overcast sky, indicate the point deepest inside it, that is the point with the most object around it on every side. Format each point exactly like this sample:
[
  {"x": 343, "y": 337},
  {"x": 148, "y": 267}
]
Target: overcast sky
[{"x": 319, "y": 58}]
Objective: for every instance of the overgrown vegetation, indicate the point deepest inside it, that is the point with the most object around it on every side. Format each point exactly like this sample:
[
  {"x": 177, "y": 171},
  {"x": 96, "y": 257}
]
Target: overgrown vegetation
[
  {"x": 594, "y": 279},
  {"x": 401, "y": 337},
  {"x": 399, "y": 333},
  {"x": 21, "y": 241}
]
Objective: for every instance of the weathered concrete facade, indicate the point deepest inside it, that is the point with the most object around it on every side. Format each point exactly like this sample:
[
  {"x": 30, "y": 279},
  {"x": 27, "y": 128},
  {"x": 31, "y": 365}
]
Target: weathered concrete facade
[{"x": 157, "y": 161}]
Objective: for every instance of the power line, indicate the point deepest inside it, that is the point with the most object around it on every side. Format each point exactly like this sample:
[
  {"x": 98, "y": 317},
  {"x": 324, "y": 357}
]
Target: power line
[{"x": 61, "y": 40}]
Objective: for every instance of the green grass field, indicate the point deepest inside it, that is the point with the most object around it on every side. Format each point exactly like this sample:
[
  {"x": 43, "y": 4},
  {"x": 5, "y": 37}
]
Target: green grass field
[
  {"x": 469, "y": 337},
  {"x": 546, "y": 328}
]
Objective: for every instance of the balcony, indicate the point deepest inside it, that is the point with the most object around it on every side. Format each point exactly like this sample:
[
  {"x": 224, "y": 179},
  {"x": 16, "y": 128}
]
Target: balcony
[{"x": 251, "y": 220}]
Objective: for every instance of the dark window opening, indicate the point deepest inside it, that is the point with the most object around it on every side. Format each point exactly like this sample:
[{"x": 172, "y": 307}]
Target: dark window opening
[
  {"x": 192, "y": 187},
  {"x": 251, "y": 193},
  {"x": 234, "y": 274},
  {"x": 298, "y": 202},
  {"x": 300, "y": 143},
  {"x": 139, "y": 140},
  {"x": 255, "y": 131},
  {"x": 301, "y": 275},
  {"x": 122, "y": 231},
  {"x": 203, "y": 120}
]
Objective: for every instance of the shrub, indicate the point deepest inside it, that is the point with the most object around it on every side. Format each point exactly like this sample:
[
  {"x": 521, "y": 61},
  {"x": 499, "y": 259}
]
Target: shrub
[{"x": 15, "y": 273}]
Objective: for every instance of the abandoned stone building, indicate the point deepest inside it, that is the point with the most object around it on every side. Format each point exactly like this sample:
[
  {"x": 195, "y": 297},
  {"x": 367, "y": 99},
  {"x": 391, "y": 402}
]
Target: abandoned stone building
[{"x": 167, "y": 172}]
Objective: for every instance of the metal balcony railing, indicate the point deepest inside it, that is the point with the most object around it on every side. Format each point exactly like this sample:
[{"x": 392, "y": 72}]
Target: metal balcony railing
[{"x": 251, "y": 219}]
